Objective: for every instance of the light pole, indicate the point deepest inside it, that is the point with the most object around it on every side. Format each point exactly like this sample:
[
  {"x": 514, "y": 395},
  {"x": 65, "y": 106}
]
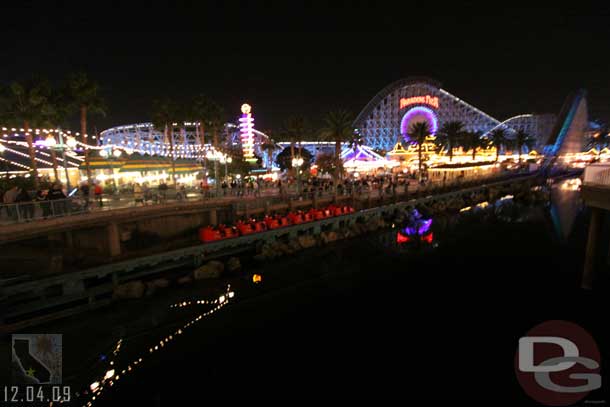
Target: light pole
[
  {"x": 297, "y": 162},
  {"x": 227, "y": 160}
]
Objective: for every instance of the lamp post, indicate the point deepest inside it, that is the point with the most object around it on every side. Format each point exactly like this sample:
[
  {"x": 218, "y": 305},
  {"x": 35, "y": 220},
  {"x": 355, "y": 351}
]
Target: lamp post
[
  {"x": 297, "y": 162},
  {"x": 228, "y": 160}
]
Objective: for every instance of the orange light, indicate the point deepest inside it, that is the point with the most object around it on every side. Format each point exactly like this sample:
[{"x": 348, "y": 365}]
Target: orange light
[{"x": 257, "y": 278}]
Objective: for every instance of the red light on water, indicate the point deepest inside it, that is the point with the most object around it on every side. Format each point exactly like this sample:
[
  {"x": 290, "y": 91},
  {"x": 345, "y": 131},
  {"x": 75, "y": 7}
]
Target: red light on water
[
  {"x": 428, "y": 238},
  {"x": 402, "y": 239}
]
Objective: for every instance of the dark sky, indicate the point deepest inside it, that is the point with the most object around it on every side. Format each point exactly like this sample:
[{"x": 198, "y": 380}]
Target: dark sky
[{"x": 301, "y": 59}]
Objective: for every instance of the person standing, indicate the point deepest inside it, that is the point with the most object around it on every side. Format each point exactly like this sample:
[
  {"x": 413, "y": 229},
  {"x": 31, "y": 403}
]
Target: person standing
[
  {"x": 138, "y": 195},
  {"x": 57, "y": 197},
  {"x": 99, "y": 192},
  {"x": 26, "y": 207},
  {"x": 43, "y": 201},
  {"x": 84, "y": 190},
  {"x": 9, "y": 200}
]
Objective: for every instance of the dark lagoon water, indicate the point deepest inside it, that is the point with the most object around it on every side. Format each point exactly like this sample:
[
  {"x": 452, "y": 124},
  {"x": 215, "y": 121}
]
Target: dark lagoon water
[{"x": 370, "y": 321}]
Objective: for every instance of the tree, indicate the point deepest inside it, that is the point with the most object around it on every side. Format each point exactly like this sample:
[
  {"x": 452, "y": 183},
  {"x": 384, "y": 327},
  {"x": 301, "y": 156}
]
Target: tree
[
  {"x": 215, "y": 121},
  {"x": 338, "y": 128},
  {"x": 83, "y": 96},
  {"x": 449, "y": 136},
  {"x": 201, "y": 109},
  {"x": 165, "y": 112},
  {"x": 328, "y": 163},
  {"x": 522, "y": 139},
  {"x": 269, "y": 147},
  {"x": 472, "y": 140},
  {"x": 419, "y": 132},
  {"x": 284, "y": 159},
  {"x": 497, "y": 139},
  {"x": 29, "y": 104},
  {"x": 293, "y": 131}
]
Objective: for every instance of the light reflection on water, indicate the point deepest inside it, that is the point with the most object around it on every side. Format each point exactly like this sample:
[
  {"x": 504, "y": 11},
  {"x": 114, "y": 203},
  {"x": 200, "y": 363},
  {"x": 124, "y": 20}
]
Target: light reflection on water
[{"x": 562, "y": 209}]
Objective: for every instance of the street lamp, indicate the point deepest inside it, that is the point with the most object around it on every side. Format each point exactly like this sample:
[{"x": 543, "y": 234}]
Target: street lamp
[
  {"x": 228, "y": 160},
  {"x": 297, "y": 162}
]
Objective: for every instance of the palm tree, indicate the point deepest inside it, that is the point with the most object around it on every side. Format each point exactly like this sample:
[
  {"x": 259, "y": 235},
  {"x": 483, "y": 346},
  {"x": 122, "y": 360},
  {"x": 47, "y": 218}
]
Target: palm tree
[
  {"x": 292, "y": 131},
  {"x": 449, "y": 136},
  {"x": 419, "y": 132},
  {"x": 83, "y": 96},
  {"x": 165, "y": 112},
  {"x": 201, "y": 108},
  {"x": 522, "y": 139},
  {"x": 338, "y": 128},
  {"x": 269, "y": 147},
  {"x": 29, "y": 104},
  {"x": 215, "y": 122},
  {"x": 497, "y": 139},
  {"x": 472, "y": 140}
]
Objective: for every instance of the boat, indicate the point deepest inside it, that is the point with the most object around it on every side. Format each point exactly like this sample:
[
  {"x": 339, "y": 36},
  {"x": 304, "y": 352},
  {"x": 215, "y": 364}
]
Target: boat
[
  {"x": 415, "y": 228},
  {"x": 253, "y": 226}
]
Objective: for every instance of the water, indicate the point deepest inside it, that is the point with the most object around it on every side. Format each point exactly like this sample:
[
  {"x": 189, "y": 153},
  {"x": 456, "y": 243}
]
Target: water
[{"x": 370, "y": 320}]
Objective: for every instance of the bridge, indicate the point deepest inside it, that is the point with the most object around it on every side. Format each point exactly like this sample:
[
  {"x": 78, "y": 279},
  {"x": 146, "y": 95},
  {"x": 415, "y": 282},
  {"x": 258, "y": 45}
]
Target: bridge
[{"x": 596, "y": 195}]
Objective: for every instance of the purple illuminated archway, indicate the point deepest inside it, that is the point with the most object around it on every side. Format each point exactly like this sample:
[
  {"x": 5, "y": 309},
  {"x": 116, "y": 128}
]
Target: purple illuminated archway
[{"x": 421, "y": 111}]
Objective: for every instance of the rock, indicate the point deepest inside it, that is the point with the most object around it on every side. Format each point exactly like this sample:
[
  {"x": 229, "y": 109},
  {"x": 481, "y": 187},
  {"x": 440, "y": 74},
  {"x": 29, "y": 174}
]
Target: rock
[
  {"x": 306, "y": 241},
  {"x": 133, "y": 289},
  {"x": 285, "y": 248},
  {"x": 233, "y": 265},
  {"x": 294, "y": 245},
  {"x": 328, "y": 237},
  {"x": 185, "y": 280},
  {"x": 207, "y": 271},
  {"x": 218, "y": 265},
  {"x": 150, "y": 289},
  {"x": 160, "y": 283}
]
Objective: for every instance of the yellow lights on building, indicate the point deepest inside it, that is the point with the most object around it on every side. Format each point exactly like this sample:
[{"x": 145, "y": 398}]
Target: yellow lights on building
[{"x": 257, "y": 278}]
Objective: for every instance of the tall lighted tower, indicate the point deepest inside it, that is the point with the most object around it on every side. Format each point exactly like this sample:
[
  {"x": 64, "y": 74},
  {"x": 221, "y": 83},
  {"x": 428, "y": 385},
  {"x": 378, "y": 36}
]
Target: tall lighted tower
[{"x": 246, "y": 124}]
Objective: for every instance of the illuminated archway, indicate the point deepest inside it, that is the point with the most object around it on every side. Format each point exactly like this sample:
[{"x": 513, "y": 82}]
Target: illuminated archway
[{"x": 415, "y": 115}]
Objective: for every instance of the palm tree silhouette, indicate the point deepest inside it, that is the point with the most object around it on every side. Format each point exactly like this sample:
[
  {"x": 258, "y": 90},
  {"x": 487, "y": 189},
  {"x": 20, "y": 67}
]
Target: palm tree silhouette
[{"x": 419, "y": 132}]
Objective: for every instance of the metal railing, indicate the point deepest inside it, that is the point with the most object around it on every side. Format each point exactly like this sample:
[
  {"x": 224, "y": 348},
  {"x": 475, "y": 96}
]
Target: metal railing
[
  {"x": 47, "y": 209},
  {"x": 242, "y": 197}
]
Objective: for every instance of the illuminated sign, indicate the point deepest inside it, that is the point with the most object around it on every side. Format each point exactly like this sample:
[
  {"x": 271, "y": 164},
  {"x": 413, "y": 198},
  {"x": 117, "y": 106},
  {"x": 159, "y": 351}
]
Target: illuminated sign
[
  {"x": 419, "y": 100},
  {"x": 246, "y": 125}
]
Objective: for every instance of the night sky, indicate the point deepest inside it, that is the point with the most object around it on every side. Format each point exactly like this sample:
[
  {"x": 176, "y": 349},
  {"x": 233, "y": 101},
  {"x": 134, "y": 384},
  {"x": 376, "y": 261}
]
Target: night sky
[{"x": 305, "y": 60}]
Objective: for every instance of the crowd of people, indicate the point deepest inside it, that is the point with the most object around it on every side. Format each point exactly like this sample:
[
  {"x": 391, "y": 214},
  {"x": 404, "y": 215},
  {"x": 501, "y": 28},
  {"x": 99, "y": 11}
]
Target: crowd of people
[{"x": 50, "y": 202}]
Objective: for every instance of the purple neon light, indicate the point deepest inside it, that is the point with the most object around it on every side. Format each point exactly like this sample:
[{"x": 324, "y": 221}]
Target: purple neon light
[
  {"x": 421, "y": 227},
  {"x": 418, "y": 110}
]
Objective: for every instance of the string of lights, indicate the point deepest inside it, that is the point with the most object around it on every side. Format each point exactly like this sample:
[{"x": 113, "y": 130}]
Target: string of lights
[{"x": 113, "y": 374}]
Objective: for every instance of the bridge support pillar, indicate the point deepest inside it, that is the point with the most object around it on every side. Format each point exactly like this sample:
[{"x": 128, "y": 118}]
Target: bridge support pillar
[
  {"x": 113, "y": 239},
  {"x": 589, "y": 267},
  {"x": 213, "y": 217},
  {"x": 69, "y": 240}
]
